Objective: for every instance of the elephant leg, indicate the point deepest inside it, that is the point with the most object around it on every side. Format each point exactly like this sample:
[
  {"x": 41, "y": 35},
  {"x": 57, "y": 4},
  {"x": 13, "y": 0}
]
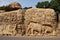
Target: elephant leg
[
  {"x": 39, "y": 33},
  {"x": 31, "y": 31},
  {"x": 54, "y": 33},
  {"x": 45, "y": 31},
  {"x": 27, "y": 31}
]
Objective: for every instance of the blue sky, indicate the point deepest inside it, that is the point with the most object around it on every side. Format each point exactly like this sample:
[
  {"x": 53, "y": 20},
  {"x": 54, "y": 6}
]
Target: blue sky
[{"x": 24, "y": 3}]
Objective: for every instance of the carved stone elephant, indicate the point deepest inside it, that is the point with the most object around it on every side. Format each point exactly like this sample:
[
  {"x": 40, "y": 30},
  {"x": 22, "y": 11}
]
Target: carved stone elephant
[
  {"x": 34, "y": 26},
  {"x": 48, "y": 29}
]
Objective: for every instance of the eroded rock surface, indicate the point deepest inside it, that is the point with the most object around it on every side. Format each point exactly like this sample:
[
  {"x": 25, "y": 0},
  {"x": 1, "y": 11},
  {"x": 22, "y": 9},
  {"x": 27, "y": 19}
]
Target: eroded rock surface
[
  {"x": 35, "y": 21},
  {"x": 13, "y": 6},
  {"x": 44, "y": 17},
  {"x": 9, "y": 22}
]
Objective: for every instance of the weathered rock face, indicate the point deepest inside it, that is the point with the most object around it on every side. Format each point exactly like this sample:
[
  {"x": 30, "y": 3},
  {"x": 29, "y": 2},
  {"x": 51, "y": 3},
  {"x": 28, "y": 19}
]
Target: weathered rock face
[
  {"x": 58, "y": 25},
  {"x": 59, "y": 21},
  {"x": 34, "y": 21},
  {"x": 9, "y": 22},
  {"x": 15, "y": 5},
  {"x": 45, "y": 17}
]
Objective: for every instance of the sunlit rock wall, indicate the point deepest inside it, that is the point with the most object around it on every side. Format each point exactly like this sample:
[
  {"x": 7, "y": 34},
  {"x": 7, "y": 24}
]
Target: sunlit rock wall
[
  {"x": 10, "y": 22},
  {"x": 44, "y": 17}
]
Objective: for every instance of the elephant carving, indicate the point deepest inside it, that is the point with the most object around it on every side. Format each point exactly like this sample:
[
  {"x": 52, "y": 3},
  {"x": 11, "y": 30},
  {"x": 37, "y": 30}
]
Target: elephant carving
[
  {"x": 48, "y": 29},
  {"x": 34, "y": 26}
]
